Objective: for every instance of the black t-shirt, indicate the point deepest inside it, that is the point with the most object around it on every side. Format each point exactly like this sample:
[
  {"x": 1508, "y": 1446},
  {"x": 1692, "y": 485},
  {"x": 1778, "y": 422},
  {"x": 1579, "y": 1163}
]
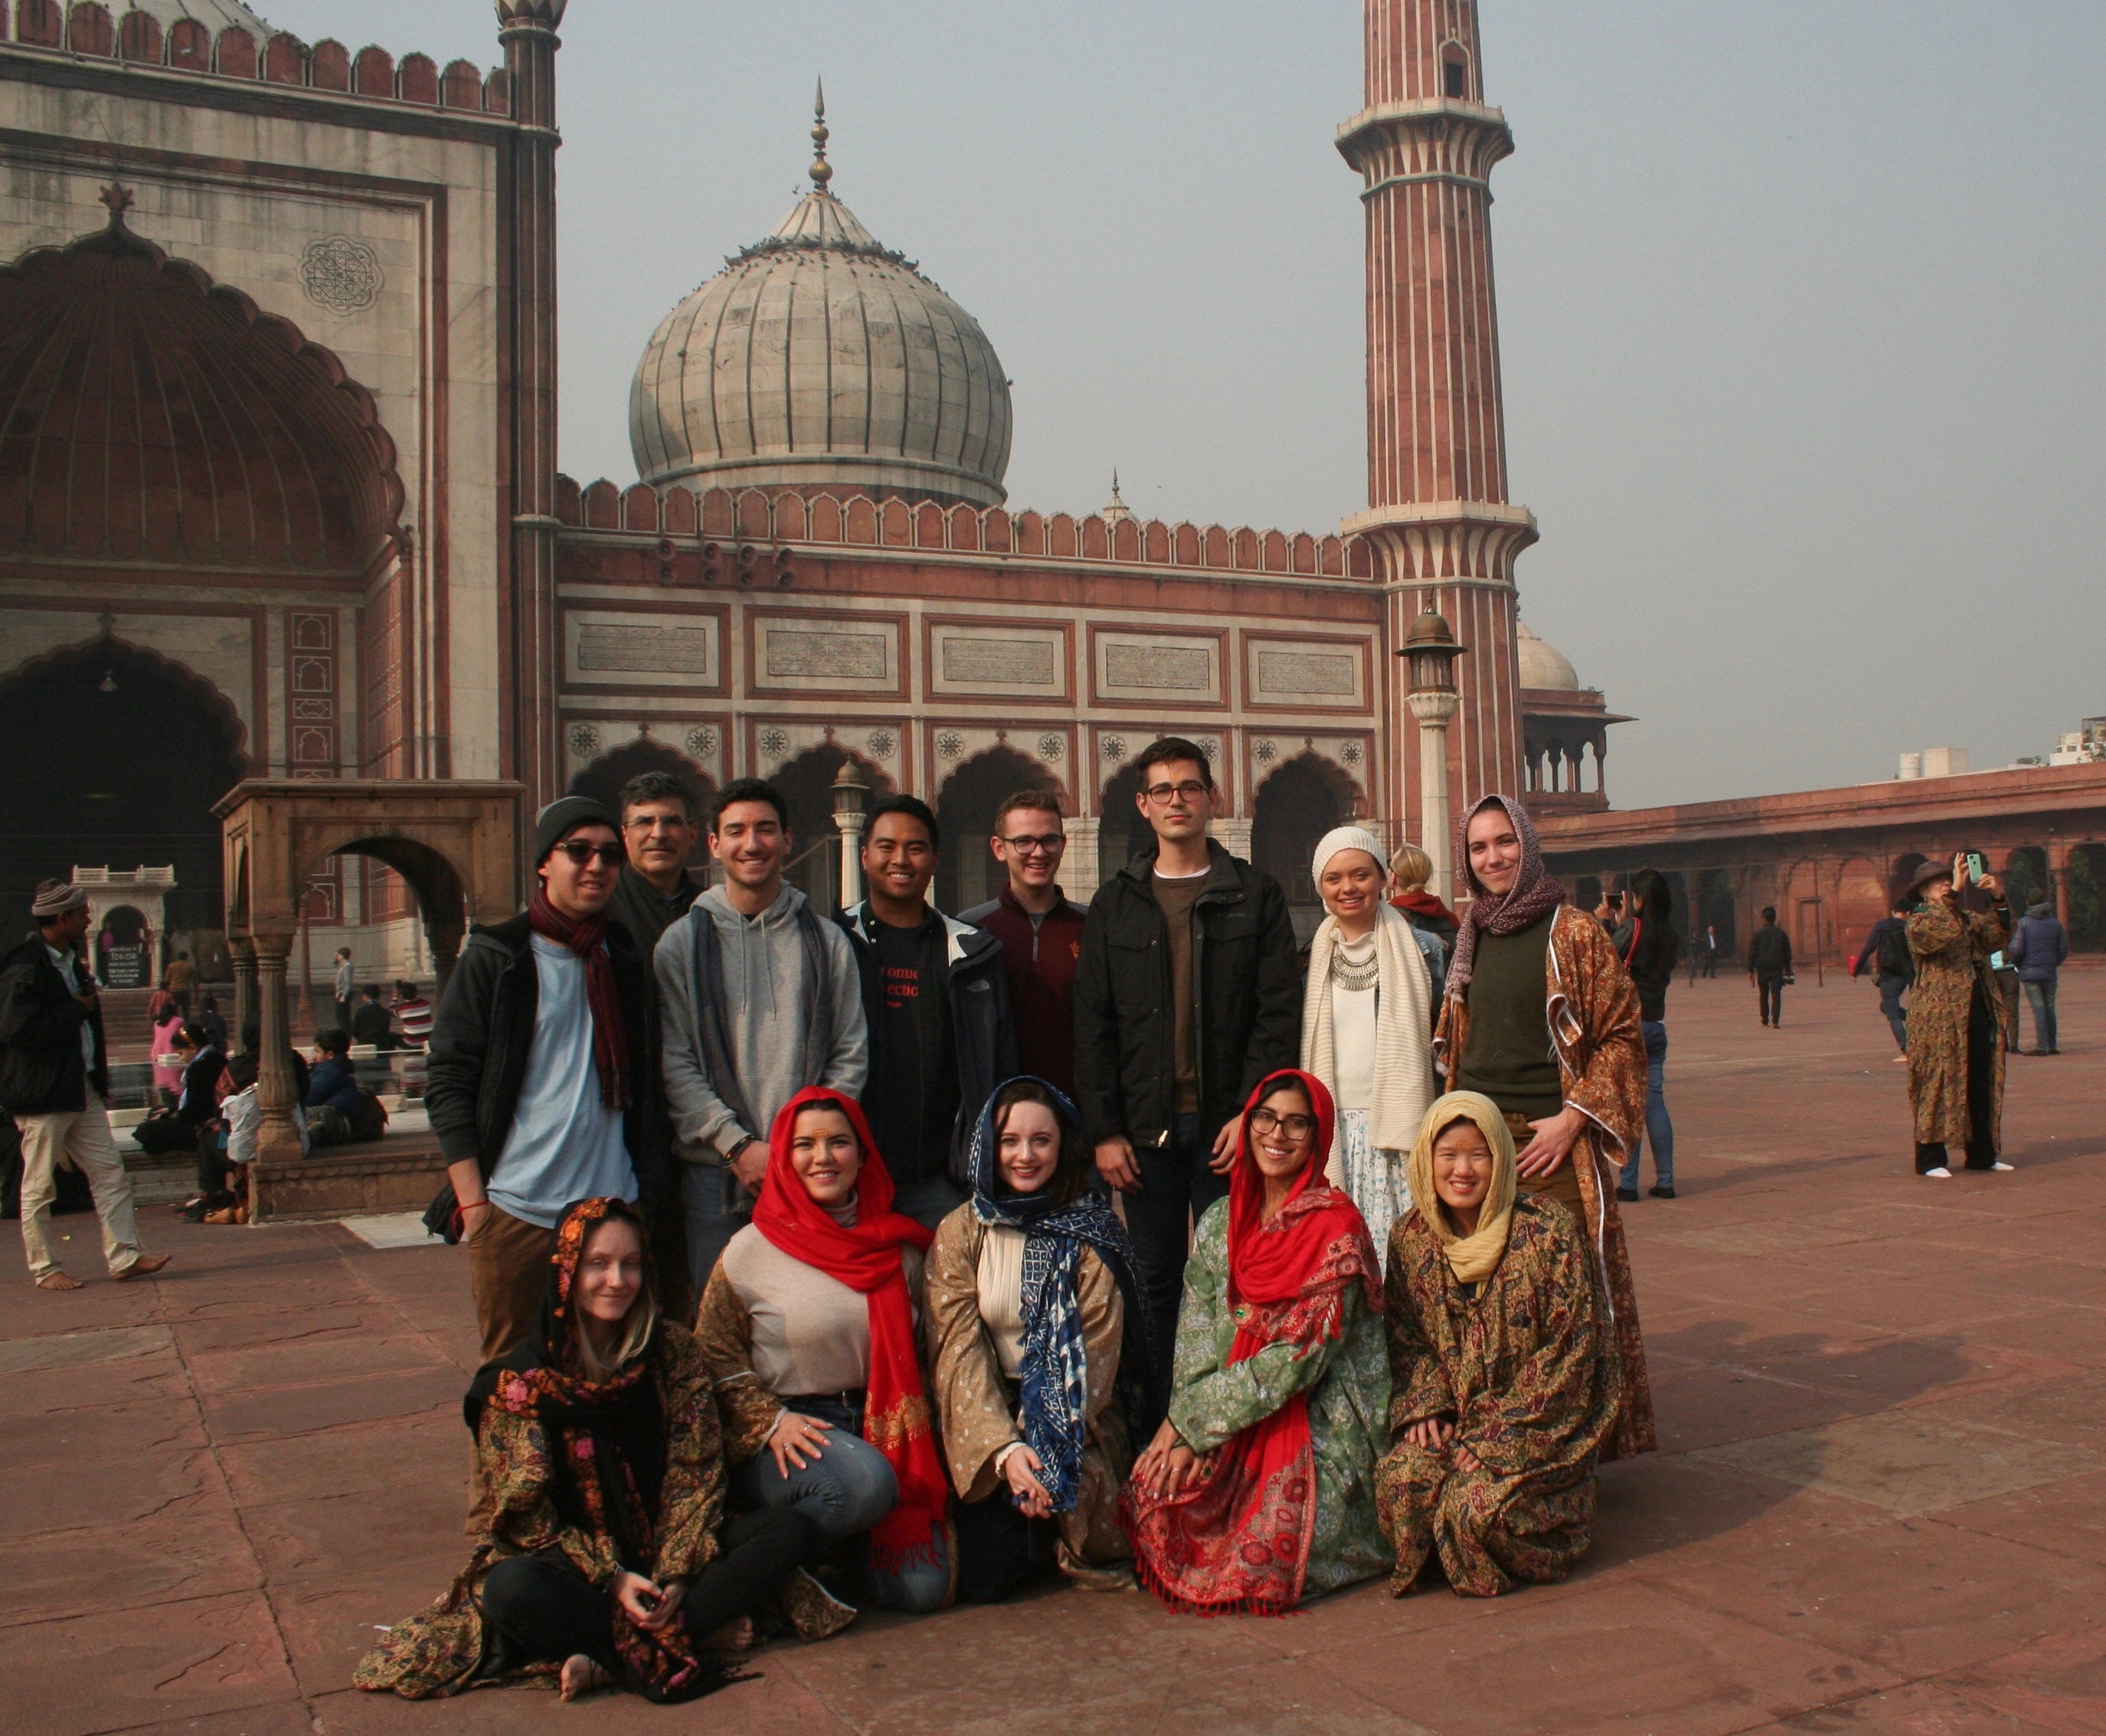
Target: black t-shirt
[{"x": 917, "y": 1099}]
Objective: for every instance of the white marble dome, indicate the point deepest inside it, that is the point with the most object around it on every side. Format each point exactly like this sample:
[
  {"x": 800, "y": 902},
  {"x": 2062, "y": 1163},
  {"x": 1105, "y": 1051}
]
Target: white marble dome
[
  {"x": 818, "y": 358},
  {"x": 216, "y": 15},
  {"x": 1543, "y": 665}
]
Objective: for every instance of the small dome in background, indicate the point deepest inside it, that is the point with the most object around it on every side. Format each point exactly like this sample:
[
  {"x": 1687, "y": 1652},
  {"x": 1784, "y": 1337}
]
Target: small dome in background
[
  {"x": 216, "y": 15},
  {"x": 1543, "y": 666}
]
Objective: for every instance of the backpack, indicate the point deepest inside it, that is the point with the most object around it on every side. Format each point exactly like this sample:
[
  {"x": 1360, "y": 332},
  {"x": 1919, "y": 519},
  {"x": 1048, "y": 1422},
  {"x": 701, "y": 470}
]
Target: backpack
[
  {"x": 1894, "y": 959},
  {"x": 369, "y": 1121}
]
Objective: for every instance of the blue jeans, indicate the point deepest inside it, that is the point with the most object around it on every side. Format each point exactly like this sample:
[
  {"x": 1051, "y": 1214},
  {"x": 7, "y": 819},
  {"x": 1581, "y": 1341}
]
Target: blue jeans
[
  {"x": 849, "y": 1487},
  {"x": 2041, "y": 997},
  {"x": 1658, "y": 1126},
  {"x": 717, "y": 1206},
  {"x": 1176, "y": 1187},
  {"x": 1892, "y": 987}
]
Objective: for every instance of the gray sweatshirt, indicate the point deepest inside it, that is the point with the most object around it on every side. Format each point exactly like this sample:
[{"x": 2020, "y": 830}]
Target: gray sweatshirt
[{"x": 775, "y": 1052}]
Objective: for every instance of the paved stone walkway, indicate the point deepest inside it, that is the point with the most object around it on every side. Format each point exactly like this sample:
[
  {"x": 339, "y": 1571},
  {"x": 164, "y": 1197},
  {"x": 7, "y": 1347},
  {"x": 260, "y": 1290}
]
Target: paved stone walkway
[{"x": 1880, "y": 1504}]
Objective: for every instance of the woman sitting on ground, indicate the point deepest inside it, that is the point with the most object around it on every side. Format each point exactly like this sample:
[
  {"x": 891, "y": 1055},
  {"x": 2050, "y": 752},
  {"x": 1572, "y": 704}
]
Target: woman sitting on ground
[
  {"x": 199, "y": 1103},
  {"x": 807, "y": 1328},
  {"x": 1030, "y": 1304},
  {"x": 1259, "y": 1489},
  {"x": 606, "y": 1558},
  {"x": 1502, "y": 1378}
]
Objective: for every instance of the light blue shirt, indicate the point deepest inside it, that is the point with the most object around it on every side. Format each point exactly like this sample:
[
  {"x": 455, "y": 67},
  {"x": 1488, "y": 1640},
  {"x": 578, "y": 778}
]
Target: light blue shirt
[
  {"x": 66, "y": 965},
  {"x": 565, "y": 1144}
]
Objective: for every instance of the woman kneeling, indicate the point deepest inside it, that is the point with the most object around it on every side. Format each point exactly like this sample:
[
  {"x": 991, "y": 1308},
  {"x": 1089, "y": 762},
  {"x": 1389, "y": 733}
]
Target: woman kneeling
[
  {"x": 1503, "y": 1374},
  {"x": 1030, "y": 1305},
  {"x": 1259, "y": 1490},
  {"x": 807, "y": 1325},
  {"x": 598, "y": 1441}
]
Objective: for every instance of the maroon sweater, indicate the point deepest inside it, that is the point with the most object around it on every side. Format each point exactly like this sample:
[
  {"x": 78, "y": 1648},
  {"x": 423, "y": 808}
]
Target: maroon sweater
[{"x": 1041, "y": 959}]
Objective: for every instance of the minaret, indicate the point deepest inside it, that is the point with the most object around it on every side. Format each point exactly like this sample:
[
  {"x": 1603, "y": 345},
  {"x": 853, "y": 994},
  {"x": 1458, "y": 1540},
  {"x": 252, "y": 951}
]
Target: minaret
[{"x": 1438, "y": 515}]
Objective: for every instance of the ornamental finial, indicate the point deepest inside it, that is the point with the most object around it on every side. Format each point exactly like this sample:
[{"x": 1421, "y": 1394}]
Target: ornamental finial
[{"x": 823, "y": 171}]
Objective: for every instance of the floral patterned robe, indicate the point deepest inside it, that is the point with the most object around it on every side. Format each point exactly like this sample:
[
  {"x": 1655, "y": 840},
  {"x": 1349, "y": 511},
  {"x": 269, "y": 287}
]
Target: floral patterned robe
[
  {"x": 440, "y": 1652},
  {"x": 974, "y": 1414},
  {"x": 1591, "y": 1009},
  {"x": 1952, "y": 949},
  {"x": 1528, "y": 1372},
  {"x": 1347, "y": 1382}
]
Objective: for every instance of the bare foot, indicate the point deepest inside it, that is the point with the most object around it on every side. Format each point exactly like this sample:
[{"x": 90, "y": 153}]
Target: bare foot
[
  {"x": 733, "y": 1636},
  {"x": 57, "y": 1281},
  {"x": 581, "y": 1676},
  {"x": 145, "y": 1266}
]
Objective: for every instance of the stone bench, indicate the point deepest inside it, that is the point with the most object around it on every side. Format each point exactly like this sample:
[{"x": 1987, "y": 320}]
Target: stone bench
[{"x": 400, "y": 1172}]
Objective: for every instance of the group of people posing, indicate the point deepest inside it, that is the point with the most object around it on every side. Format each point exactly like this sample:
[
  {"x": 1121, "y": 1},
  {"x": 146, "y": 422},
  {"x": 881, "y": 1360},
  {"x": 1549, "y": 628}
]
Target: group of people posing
[{"x": 898, "y": 1257}]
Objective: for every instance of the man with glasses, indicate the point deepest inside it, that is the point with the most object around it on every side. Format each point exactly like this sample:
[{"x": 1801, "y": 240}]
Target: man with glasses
[
  {"x": 1041, "y": 931},
  {"x": 659, "y": 828},
  {"x": 543, "y": 1078},
  {"x": 1187, "y": 994}
]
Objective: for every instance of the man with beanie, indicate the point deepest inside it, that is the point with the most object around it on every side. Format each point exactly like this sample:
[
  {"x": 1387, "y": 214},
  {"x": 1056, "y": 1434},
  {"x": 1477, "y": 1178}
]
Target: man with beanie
[
  {"x": 543, "y": 1078},
  {"x": 761, "y": 999},
  {"x": 55, "y": 1082}
]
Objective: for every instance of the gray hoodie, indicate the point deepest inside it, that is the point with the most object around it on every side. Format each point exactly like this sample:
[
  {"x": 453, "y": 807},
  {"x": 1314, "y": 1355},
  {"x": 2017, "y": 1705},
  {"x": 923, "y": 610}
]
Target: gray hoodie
[{"x": 775, "y": 1050}]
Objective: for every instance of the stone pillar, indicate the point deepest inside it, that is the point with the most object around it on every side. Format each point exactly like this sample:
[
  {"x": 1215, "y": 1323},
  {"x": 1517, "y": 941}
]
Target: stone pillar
[
  {"x": 1234, "y": 837},
  {"x": 445, "y": 939},
  {"x": 1078, "y": 866},
  {"x": 242, "y": 950},
  {"x": 277, "y": 1137},
  {"x": 2058, "y": 877},
  {"x": 850, "y": 826},
  {"x": 1602, "y": 764},
  {"x": 1433, "y": 710}
]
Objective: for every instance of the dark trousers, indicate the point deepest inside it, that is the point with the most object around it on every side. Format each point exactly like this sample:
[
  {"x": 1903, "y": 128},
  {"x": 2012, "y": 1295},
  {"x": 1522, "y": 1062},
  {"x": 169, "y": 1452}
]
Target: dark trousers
[
  {"x": 1983, "y": 1037},
  {"x": 544, "y": 1611},
  {"x": 1892, "y": 986},
  {"x": 998, "y": 1547},
  {"x": 1769, "y": 991},
  {"x": 2041, "y": 997},
  {"x": 163, "y": 1134},
  {"x": 1176, "y": 1187}
]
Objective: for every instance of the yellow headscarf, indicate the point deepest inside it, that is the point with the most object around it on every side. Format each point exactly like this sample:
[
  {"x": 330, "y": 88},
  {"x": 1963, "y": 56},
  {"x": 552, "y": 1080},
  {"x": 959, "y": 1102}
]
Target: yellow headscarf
[{"x": 1473, "y": 1257}]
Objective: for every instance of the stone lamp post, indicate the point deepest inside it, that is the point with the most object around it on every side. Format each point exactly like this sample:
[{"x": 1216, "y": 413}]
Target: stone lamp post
[
  {"x": 851, "y": 795},
  {"x": 1430, "y": 651}
]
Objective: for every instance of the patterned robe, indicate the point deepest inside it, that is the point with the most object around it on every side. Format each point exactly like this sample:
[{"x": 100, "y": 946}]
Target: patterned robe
[
  {"x": 976, "y": 1420},
  {"x": 1347, "y": 1382},
  {"x": 1527, "y": 1371},
  {"x": 439, "y": 1652},
  {"x": 1952, "y": 949},
  {"x": 1591, "y": 1008}
]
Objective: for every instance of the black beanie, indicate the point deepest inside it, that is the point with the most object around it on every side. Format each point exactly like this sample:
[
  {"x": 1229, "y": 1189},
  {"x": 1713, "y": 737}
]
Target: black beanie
[{"x": 565, "y": 815}]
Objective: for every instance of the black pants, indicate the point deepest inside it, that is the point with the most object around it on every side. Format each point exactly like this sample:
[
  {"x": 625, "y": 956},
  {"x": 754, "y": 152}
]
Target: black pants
[
  {"x": 543, "y": 1610},
  {"x": 998, "y": 1547},
  {"x": 1983, "y": 1037},
  {"x": 1176, "y": 1187},
  {"x": 163, "y": 1134},
  {"x": 1769, "y": 988}
]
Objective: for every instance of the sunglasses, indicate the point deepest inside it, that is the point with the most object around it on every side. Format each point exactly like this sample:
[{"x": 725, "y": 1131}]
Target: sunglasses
[{"x": 580, "y": 851}]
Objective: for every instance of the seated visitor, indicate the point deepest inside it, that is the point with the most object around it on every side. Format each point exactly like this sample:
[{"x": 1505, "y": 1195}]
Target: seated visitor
[
  {"x": 1029, "y": 1302},
  {"x": 807, "y": 1326},
  {"x": 332, "y": 1102},
  {"x": 413, "y": 1013},
  {"x": 605, "y": 1555},
  {"x": 371, "y": 1023},
  {"x": 197, "y": 1102},
  {"x": 1258, "y": 1491},
  {"x": 167, "y": 1019},
  {"x": 1503, "y": 1374}
]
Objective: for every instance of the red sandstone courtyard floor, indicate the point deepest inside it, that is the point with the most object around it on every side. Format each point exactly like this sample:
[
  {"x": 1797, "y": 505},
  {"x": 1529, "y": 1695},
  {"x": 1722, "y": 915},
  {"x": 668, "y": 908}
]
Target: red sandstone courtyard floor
[{"x": 1879, "y": 1505}]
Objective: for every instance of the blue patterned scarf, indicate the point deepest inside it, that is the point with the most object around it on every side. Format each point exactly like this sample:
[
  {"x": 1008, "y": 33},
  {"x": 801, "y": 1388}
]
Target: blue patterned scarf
[{"x": 1055, "y": 1372}]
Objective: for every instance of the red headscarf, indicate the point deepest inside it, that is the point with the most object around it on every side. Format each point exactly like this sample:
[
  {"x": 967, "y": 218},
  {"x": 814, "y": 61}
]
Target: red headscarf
[
  {"x": 866, "y": 1255},
  {"x": 1237, "y": 1538}
]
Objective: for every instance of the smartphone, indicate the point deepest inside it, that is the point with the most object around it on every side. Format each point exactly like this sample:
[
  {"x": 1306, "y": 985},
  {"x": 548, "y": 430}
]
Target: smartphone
[{"x": 1978, "y": 864}]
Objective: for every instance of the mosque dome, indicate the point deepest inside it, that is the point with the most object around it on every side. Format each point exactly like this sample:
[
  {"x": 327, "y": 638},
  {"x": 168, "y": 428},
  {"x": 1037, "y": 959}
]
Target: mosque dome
[
  {"x": 819, "y": 358},
  {"x": 1543, "y": 666},
  {"x": 216, "y": 15}
]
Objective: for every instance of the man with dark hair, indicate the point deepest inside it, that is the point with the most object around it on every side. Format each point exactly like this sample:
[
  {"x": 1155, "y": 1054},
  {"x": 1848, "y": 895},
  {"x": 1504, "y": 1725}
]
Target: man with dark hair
[
  {"x": 543, "y": 1082},
  {"x": 1769, "y": 963},
  {"x": 181, "y": 980},
  {"x": 935, "y": 998},
  {"x": 1886, "y": 953},
  {"x": 55, "y": 1082},
  {"x": 659, "y": 828},
  {"x": 1187, "y": 994},
  {"x": 761, "y": 999},
  {"x": 412, "y": 1013},
  {"x": 1041, "y": 931},
  {"x": 341, "y": 986},
  {"x": 332, "y": 1100},
  {"x": 372, "y": 1022}
]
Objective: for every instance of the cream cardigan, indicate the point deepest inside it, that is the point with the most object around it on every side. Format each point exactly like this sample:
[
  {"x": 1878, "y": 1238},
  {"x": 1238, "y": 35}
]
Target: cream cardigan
[{"x": 1404, "y": 1033}]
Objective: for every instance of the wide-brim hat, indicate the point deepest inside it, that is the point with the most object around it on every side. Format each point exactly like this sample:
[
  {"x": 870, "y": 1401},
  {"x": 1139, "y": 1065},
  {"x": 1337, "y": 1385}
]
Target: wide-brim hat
[{"x": 1938, "y": 868}]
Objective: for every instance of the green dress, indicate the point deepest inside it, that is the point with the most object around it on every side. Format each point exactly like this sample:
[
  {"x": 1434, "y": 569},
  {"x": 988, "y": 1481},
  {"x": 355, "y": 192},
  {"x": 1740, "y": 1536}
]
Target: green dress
[{"x": 1346, "y": 1380}]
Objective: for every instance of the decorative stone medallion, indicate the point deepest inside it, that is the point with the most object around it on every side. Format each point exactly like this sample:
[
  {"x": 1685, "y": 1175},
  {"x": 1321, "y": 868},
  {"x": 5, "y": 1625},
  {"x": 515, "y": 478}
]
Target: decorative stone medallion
[
  {"x": 340, "y": 274},
  {"x": 585, "y": 740},
  {"x": 1114, "y": 748},
  {"x": 1050, "y": 748},
  {"x": 1265, "y": 752},
  {"x": 950, "y": 743},
  {"x": 702, "y": 743},
  {"x": 881, "y": 743},
  {"x": 773, "y": 744}
]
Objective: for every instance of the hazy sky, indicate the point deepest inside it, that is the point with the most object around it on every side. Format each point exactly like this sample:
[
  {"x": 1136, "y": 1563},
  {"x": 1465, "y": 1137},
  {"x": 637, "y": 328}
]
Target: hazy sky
[{"x": 1801, "y": 305}]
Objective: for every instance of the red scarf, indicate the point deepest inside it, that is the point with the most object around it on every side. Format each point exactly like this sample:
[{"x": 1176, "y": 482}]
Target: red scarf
[
  {"x": 1236, "y": 1541},
  {"x": 866, "y": 1255},
  {"x": 1421, "y": 902},
  {"x": 586, "y": 936}
]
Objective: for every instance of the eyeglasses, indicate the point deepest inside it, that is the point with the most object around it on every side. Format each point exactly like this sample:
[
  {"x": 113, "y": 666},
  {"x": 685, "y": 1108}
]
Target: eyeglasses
[
  {"x": 1052, "y": 844},
  {"x": 1294, "y": 1126},
  {"x": 1190, "y": 789},
  {"x": 581, "y": 852}
]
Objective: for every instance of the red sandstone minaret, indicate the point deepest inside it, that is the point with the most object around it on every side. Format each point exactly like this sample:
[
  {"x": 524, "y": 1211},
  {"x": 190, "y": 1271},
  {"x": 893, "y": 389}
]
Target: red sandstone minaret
[{"x": 1438, "y": 515}]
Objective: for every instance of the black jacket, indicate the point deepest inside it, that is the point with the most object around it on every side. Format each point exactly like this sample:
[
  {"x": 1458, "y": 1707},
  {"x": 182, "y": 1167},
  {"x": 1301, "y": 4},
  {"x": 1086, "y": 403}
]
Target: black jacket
[
  {"x": 484, "y": 1029},
  {"x": 42, "y": 1070},
  {"x": 1769, "y": 953},
  {"x": 1246, "y": 983},
  {"x": 983, "y": 1028}
]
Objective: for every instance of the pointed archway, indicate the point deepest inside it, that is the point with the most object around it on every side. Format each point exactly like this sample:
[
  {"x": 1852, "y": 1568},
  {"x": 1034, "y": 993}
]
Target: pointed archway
[
  {"x": 806, "y": 784},
  {"x": 969, "y": 874},
  {"x": 604, "y": 779},
  {"x": 1296, "y": 805}
]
